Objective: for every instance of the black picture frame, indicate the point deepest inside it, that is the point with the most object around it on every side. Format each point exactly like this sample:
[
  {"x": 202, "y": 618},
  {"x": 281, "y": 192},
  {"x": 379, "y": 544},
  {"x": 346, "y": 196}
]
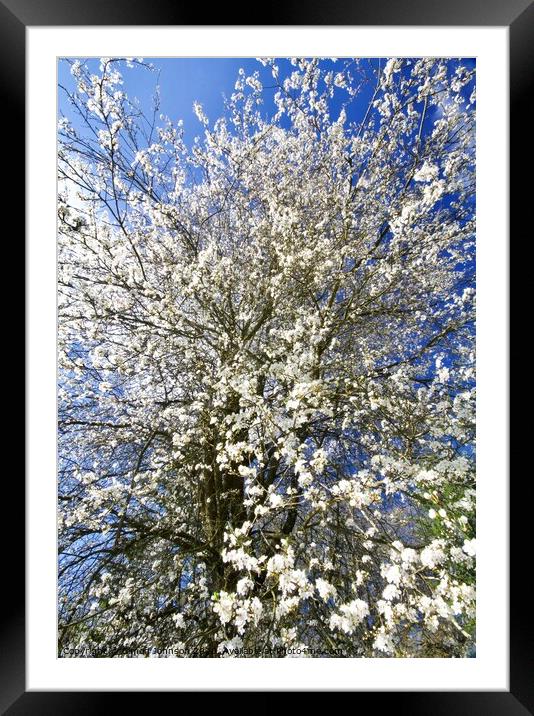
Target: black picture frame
[{"x": 15, "y": 17}]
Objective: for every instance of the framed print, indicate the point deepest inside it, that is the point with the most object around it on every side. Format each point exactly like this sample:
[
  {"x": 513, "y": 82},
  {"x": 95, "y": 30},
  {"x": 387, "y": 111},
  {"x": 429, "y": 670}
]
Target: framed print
[{"x": 256, "y": 373}]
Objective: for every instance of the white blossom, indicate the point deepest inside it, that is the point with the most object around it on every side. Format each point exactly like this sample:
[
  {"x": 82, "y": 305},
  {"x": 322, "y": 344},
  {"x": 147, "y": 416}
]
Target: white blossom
[{"x": 266, "y": 364}]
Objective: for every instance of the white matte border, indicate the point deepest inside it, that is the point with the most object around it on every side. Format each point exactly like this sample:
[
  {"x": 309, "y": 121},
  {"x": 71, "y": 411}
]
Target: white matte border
[{"x": 489, "y": 670}]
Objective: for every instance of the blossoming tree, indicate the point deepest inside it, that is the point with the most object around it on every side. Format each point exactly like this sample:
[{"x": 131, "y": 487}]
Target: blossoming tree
[{"x": 266, "y": 386}]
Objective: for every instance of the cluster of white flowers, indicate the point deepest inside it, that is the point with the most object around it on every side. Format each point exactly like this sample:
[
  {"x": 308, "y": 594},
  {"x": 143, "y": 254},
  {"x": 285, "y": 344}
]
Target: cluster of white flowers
[
  {"x": 433, "y": 554},
  {"x": 281, "y": 562},
  {"x": 228, "y": 648},
  {"x": 241, "y": 559},
  {"x": 383, "y": 642},
  {"x": 224, "y": 607},
  {"x": 351, "y": 615},
  {"x": 179, "y": 620},
  {"x": 392, "y": 66},
  {"x": 325, "y": 589},
  {"x": 469, "y": 547},
  {"x": 351, "y": 490},
  {"x": 427, "y": 173}
]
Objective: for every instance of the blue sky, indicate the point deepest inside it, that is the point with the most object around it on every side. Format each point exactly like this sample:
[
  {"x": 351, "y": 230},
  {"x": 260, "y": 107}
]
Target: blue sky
[{"x": 182, "y": 81}]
